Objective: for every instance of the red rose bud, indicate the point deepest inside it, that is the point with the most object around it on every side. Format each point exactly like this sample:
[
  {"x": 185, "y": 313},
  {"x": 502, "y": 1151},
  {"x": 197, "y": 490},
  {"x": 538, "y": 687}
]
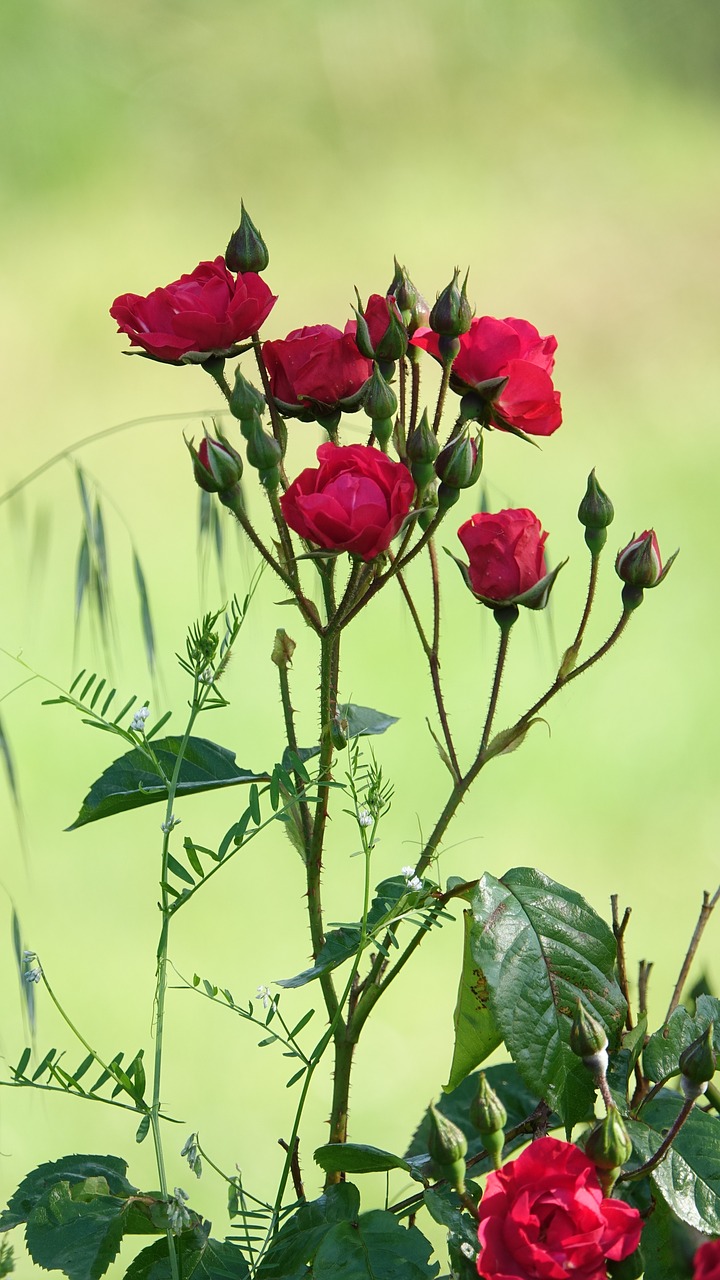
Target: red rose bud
[
  {"x": 264, "y": 453},
  {"x": 316, "y": 371},
  {"x": 246, "y": 401},
  {"x": 422, "y": 450},
  {"x": 507, "y": 364},
  {"x": 356, "y": 500},
  {"x": 698, "y": 1064},
  {"x": 216, "y": 465},
  {"x": 246, "y": 250},
  {"x": 202, "y": 314},
  {"x": 608, "y": 1146},
  {"x": 381, "y": 334},
  {"x": 507, "y": 565},
  {"x": 447, "y": 1146},
  {"x": 544, "y": 1214},
  {"x": 631, "y": 1268},
  {"x": 639, "y": 563},
  {"x": 413, "y": 307},
  {"x": 452, "y": 314},
  {"x": 489, "y": 1117}
]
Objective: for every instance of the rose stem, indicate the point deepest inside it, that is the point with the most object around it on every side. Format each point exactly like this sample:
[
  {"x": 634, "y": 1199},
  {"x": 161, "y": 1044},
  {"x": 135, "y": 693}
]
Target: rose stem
[
  {"x": 397, "y": 564},
  {"x": 414, "y": 390},
  {"x": 444, "y": 384},
  {"x": 278, "y": 426},
  {"x": 505, "y": 618},
  {"x": 618, "y": 929},
  {"x": 232, "y": 500},
  {"x": 706, "y": 910},
  {"x": 289, "y": 717},
  {"x": 561, "y": 681},
  {"x": 403, "y": 409},
  {"x": 664, "y": 1147},
  {"x": 216, "y": 369}
]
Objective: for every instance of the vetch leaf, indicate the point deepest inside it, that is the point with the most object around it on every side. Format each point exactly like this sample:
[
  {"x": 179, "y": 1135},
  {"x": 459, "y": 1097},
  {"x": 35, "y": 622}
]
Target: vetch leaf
[
  {"x": 357, "y": 1157},
  {"x": 340, "y": 944},
  {"x": 131, "y": 782},
  {"x": 541, "y": 948},
  {"x": 476, "y": 1031},
  {"x": 688, "y": 1178}
]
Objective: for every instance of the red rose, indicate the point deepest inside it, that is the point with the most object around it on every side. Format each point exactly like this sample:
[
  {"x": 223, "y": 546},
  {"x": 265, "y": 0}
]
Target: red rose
[
  {"x": 317, "y": 366},
  {"x": 511, "y": 349},
  {"x": 543, "y": 1217},
  {"x": 506, "y": 551},
  {"x": 355, "y": 501},
  {"x": 208, "y": 311},
  {"x": 706, "y": 1263}
]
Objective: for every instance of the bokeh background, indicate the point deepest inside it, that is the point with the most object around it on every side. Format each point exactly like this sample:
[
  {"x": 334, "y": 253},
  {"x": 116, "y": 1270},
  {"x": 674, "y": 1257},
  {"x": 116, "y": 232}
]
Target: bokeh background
[{"x": 566, "y": 152}]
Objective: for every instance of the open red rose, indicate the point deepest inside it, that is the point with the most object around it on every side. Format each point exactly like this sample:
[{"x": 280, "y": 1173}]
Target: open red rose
[
  {"x": 706, "y": 1263},
  {"x": 208, "y": 310},
  {"x": 506, "y": 552},
  {"x": 511, "y": 349},
  {"x": 355, "y": 501},
  {"x": 317, "y": 366},
  {"x": 543, "y": 1217}
]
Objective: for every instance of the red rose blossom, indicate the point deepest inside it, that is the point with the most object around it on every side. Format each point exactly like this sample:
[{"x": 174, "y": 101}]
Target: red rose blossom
[
  {"x": 317, "y": 366},
  {"x": 506, "y": 552},
  {"x": 511, "y": 349},
  {"x": 355, "y": 501},
  {"x": 706, "y": 1263},
  {"x": 543, "y": 1217},
  {"x": 208, "y": 310}
]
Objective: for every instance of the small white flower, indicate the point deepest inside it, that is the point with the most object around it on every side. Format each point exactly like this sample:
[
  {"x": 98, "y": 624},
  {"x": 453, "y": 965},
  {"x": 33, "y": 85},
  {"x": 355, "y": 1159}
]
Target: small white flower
[
  {"x": 178, "y": 1216},
  {"x": 28, "y": 955},
  {"x": 207, "y": 676},
  {"x": 364, "y": 818},
  {"x": 407, "y": 872},
  {"x": 264, "y": 994},
  {"x": 467, "y": 1250},
  {"x": 413, "y": 881},
  {"x": 166, "y": 827},
  {"x": 138, "y": 720},
  {"x": 34, "y": 974}
]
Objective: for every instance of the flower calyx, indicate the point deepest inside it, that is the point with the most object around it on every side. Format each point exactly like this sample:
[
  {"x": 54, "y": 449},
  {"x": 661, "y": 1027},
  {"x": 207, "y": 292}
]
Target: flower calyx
[{"x": 246, "y": 249}]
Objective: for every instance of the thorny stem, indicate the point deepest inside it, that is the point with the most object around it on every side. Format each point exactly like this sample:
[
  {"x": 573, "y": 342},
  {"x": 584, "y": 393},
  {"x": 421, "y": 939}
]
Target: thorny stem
[
  {"x": 414, "y": 394},
  {"x": 289, "y": 717},
  {"x": 329, "y": 654},
  {"x": 400, "y": 562},
  {"x": 594, "y": 563},
  {"x": 664, "y": 1147},
  {"x": 561, "y": 681},
  {"x": 232, "y": 500},
  {"x": 619, "y": 928},
  {"x": 285, "y": 542},
  {"x": 505, "y": 618},
  {"x": 278, "y": 425},
  {"x": 431, "y": 653},
  {"x": 444, "y": 384},
  {"x": 401, "y": 426},
  {"x": 645, "y": 968},
  {"x": 706, "y": 910}
]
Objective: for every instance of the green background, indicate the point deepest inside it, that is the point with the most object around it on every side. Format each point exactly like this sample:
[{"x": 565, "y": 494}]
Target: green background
[{"x": 566, "y": 152}]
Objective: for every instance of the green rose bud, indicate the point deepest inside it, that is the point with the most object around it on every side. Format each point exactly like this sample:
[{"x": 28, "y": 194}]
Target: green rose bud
[
  {"x": 608, "y": 1146},
  {"x": 447, "y": 1146},
  {"x": 246, "y": 249},
  {"x": 698, "y": 1064},
  {"x": 452, "y": 314}
]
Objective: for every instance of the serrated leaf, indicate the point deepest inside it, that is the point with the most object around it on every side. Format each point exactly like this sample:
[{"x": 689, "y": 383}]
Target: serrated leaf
[
  {"x": 130, "y": 781},
  {"x": 80, "y": 1238},
  {"x": 541, "y": 948},
  {"x": 363, "y": 721},
  {"x": 300, "y": 1236},
  {"x": 476, "y": 1031},
  {"x": 377, "y": 1248},
  {"x": 357, "y": 1157},
  {"x": 667, "y": 1248},
  {"x": 70, "y": 1169},
  {"x": 200, "y": 1259},
  {"x": 661, "y": 1055},
  {"x": 688, "y": 1178}
]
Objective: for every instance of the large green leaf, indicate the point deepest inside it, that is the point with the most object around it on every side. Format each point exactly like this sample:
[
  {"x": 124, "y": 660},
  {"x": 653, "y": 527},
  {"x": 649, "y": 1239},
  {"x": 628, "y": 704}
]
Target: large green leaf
[
  {"x": 357, "y": 1157},
  {"x": 300, "y": 1237},
  {"x": 661, "y": 1056},
  {"x": 541, "y": 948},
  {"x": 688, "y": 1178},
  {"x": 340, "y": 944},
  {"x": 476, "y": 1031},
  {"x": 377, "y": 1247},
  {"x": 131, "y": 780},
  {"x": 70, "y": 1169},
  {"x": 199, "y": 1258},
  {"x": 666, "y": 1245},
  {"x": 79, "y": 1237}
]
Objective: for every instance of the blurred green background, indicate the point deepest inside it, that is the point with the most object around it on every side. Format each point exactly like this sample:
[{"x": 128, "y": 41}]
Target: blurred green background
[{"x": 567, "y": 152}]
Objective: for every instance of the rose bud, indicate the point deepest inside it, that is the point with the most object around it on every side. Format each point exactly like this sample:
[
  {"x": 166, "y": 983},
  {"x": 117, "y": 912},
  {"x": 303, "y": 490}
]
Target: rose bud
[
  {"x": 264, "y": 453},
  {"x": 217, "y": 466},
  {"x": 246, "y": 401},
  {"x": 246, "y": 250},
  {"x": 608, "y": 1146},
  {"x": 447, "y": 1146},
  {"x": 588, "y": 1039},
  {"x": 507, "y": 565},
  {"x": 698, "y": 1064},
  {"x": 458, "y": 466},
  {"x": 381, "y": 334},
  {"x": 413, "y": 307},
  {"x": 380, "y": 404},
  {"x": 489, "y": 1117},
  {"x": 451, "y": 315},
  {"x": 595, "y": 512},
  {"x": 639, "y": 563},
  {"x": 422, "y": 449},
  {"x": 316, "y": 371}
]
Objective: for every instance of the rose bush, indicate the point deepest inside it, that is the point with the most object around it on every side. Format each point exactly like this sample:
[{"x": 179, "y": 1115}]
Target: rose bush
[
  {"x": 355, "y": 501},
  {"x": 706, "y": 1263},
  {"x": 511, "y": 349},
  {"x": 317, "y": 367},
  {"x": 506, "y": 553},
  {"x": 543, "y": 1217},
  {"x": 208, "y": 310}
]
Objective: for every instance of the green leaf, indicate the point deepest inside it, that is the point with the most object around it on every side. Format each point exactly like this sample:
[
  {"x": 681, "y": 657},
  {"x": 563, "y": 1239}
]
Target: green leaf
[
  {"x": 377, "y": 1248},
  {"x": 666, "y": 1245},
  {"x": 688, "y": 1178},
  {"x": 300, "y": 1237},
  {"x": 443, "y": 1205},
  {"x": 363, "y": 721},
  {"x": 200, "y": 1259},
  {"x": 357, "y": 1157},
  {"x": 476, "y": 1032},
  {"x": 340, "y": 944},
  {"x": 661, "y": 1055},
  {"x": 143, "y": 1129},
  {"x": 70, "y": 1169},
  {"x": 78, "y": 1237},
  {"x": 541, "y": 948},
  {"x": 131, "y": 781}
]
